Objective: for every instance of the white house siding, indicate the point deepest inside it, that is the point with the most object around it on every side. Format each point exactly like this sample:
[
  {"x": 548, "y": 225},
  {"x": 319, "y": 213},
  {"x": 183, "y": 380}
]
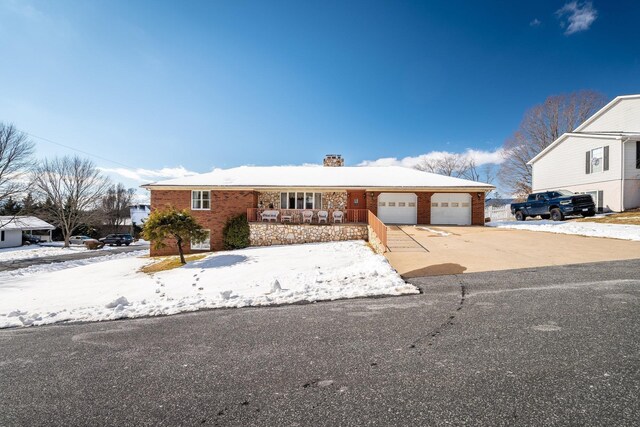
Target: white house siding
[
  {"x": 564, "y": 168},
  {"x": 12, "y": 238},
  {"x": 621, "y": 117},
  {"x": 632, "y": 177}
]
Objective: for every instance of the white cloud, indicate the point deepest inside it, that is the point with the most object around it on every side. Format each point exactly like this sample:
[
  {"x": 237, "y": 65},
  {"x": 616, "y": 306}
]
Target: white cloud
[
  {"x": 580, "y": 16},
  {"x": 149, "y": 175},
  {"x": 481, "y": 157},
  {"x": 535, "y": 23}
]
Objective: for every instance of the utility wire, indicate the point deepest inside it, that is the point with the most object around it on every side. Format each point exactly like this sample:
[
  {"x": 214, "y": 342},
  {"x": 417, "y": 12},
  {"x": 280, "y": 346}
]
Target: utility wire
[{"x": 79, "y": 151}]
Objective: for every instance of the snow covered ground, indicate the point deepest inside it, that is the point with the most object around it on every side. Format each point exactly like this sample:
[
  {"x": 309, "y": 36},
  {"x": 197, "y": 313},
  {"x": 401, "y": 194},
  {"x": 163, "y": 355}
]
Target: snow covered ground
[
  {"x": 591, "y": 229},
  {"x": 46, "y": 249},
  {"x": 113, "y": 289}
]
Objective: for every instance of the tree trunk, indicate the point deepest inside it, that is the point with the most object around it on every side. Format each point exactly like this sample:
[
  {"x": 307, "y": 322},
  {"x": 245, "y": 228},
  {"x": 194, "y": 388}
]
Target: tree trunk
[{"x": 182, "y": 260}]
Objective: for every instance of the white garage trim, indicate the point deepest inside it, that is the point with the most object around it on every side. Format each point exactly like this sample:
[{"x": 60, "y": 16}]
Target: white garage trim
[
  {"x": 451, "y": 208},
  {"x": 398, "y": 208}
]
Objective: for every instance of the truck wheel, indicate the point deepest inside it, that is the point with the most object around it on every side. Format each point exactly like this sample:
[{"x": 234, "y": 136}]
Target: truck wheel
[
  {"x": 556, "y": 215},
  {"x": 545, "y": 216},
  {"x": 520, "y": 216}
]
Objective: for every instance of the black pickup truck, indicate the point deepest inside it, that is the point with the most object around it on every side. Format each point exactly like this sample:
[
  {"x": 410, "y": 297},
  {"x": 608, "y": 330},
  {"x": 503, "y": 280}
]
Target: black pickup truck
[{"x": 555, "y": 205}]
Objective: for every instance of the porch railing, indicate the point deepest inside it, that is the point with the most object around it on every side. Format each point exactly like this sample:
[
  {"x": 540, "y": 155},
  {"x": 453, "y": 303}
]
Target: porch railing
[
  {"x": 378, "y": 227},
  {"x": 294, "y": 216}
]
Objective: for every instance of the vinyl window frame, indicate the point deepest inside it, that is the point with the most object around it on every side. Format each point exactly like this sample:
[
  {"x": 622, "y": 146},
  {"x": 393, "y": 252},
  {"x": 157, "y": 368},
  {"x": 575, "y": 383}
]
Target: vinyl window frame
[
  {"x": 200, "y": 200},
  {"x": 204, "y": 245}
]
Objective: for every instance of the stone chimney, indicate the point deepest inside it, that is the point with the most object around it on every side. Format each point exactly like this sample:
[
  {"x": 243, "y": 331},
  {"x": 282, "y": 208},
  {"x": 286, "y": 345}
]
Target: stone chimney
[{"x": 333, "y": 160}]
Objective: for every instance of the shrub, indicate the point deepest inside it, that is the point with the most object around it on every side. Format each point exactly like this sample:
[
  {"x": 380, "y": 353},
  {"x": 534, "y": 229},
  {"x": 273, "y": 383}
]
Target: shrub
[{"x": 236, "y": 232}]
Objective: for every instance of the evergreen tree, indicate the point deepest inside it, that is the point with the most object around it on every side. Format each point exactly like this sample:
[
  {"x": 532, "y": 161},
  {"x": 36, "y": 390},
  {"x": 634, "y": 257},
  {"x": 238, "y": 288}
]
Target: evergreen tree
[{"x": 174, "y": 224}]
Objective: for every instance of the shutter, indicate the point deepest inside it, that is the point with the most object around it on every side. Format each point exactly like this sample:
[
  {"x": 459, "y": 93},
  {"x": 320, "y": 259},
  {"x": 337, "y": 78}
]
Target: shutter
[
  {"x": 588, "y": 163},
  {"x": 600, "y": 201},
  {"x": 637, "y": 154},
  {"x": 605, "y": 166}
]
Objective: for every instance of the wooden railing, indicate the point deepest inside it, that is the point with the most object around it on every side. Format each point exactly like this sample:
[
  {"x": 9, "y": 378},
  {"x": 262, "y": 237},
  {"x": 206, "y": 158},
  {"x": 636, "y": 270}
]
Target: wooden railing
[
  {"x": 378, "y": 227},
  {"x": 294, "y": 216}
]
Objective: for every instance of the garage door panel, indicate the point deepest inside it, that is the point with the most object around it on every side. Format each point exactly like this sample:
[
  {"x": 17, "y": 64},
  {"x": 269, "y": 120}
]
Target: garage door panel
[
  {"x": 398, "y": 208},
  {"x": 451, "y": 208}
]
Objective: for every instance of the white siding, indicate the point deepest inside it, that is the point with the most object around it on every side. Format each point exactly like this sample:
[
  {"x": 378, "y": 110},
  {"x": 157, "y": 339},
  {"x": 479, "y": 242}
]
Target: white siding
[
  {"x": 623, "y": 116},
  {"x": 565, "y": 164},
  {"x": 12, "y": 238},
  {"x": 632, "y": 177},
  {"x": 564, "y": 168}
]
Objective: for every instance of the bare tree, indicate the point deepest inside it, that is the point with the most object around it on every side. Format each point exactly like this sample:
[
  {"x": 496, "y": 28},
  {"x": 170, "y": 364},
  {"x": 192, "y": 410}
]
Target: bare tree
[
  {"x": 449, "y": 164},
  {"x": 72, "y": 188},
  {"x": 16, "y": 152},
  {"x": 115, "y": 205},
  {"x": 541, "y": 125}
]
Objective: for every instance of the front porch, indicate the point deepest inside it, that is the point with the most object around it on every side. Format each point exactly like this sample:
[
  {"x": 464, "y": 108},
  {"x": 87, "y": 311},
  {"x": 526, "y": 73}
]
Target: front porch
[
  {"x": 313, "y": 216},
  {"x": 291, "y": 226}
]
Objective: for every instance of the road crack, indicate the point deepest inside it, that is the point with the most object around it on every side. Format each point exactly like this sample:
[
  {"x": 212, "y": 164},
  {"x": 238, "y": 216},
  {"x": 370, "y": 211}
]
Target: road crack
[{"x": 431, "y": 336}]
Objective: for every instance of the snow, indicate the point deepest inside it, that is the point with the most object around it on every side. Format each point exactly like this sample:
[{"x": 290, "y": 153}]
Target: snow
[
  {"x": 431, "y": 230},
  {"x": 95, "y": 289},
  {"x": 49, "y": 249},
  {"x": 321, "y": 177},
  {"x": 24, "y": 223},
  {"x": 590, "y": 229}
]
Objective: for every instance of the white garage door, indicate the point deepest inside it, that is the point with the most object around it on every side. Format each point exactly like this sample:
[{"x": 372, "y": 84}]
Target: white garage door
[
  {"x": 398, "y": 208},
  {"x": 451, "y": 208}
]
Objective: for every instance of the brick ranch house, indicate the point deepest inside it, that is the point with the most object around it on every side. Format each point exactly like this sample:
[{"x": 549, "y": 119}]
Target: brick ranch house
[{"x": 367, "y": 198}]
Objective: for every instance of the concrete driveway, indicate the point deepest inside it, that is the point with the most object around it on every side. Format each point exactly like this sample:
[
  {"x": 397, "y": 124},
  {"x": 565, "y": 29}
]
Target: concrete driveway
[{"x": 417, "y": 251}]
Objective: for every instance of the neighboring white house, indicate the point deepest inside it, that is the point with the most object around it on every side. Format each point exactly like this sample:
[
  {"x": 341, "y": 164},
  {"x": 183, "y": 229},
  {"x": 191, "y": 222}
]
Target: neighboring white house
[
  {"x": 601, "y": 157},
  {"x": 12, "y": 227},
  {"x": 139, "y": 214}
]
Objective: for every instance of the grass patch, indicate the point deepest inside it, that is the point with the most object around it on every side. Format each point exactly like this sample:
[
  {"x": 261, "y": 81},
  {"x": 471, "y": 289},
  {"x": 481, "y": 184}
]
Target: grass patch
[
  {"x": 627, "y": 218},
  {"x": 169, "y": 263}
]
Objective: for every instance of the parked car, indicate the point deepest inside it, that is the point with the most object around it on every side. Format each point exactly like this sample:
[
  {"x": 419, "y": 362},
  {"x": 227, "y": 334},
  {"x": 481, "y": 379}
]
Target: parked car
[
  {"x": 117, "y": 239},
  {"x": 555, "y": 205},
  {"x": 28, "y": 239},
  {"x": 81, "y": 240}
]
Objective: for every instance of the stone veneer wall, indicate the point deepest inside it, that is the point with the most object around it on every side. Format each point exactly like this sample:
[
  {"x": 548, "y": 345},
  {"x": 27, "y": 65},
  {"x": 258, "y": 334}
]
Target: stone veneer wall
[
  {"x": 330, "y": 200},
  {"x": 374, "y": 242},
  {"x": 269, "y": 198},
  {"x": 266, "y": 234},
  {"x": 334, "y": 200}
]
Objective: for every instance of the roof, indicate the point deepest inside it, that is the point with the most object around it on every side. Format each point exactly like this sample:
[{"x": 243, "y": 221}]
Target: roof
[
  {"x": 369, "y": 177},
  {"x": 578, "y": 131},
  {"x": 24, "y": 223}
]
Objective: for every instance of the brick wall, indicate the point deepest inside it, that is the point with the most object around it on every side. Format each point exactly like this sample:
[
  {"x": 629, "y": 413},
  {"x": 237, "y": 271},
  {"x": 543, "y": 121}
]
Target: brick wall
[
  {"x": 224, "y": 205},
  {"x": 424, "y": 208},
  {"x": 477, "y": 208}
]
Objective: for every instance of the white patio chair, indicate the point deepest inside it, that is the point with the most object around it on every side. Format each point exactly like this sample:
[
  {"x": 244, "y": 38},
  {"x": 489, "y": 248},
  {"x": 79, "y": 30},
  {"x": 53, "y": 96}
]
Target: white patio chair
[
  {"x": 307, "y": 216},
  {"x": 323, "y": 216},
  {"x": 338, "y": 216}
]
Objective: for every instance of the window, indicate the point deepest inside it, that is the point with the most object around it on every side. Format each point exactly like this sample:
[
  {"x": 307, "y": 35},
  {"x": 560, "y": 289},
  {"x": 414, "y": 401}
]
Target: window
[
  {"x": 200, "y": 200},
  {"x": 412, "y": 204},
  {"x": 355, "y": 201},
  {"x": 204, "y": 245},
  {"x": 392, "y": 204},
  {"x": 401, "y": 204},
  {"x": 382, "y": 203},
  {"x": 597, "y": 160},
  {"x": 444, "y": 204},
  {"x": 300, "y": 200},
  {"x": 455, "y": 204},
  {"x": 466, "y": 204},
  {"x": 2, "y": 236},
  {"x": 434, "y": 204},
  {"x": 637, "y": 154}
]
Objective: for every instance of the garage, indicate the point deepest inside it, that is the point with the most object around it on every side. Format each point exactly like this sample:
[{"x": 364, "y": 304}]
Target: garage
[
  {"x": 398, "y": 208},
  {"x": 451, "y": 208}
]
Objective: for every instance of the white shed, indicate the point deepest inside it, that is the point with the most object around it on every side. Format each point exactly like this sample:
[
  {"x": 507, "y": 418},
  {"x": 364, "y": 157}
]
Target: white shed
[{"x": 12, "y": 227}]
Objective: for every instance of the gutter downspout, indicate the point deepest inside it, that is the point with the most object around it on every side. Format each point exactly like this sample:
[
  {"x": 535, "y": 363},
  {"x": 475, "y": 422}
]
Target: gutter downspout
[{"x": 622, "y": 174}]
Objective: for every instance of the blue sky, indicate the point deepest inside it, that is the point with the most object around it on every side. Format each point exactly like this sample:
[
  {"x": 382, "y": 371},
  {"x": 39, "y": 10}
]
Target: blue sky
[{"x": 197, "y": 85}]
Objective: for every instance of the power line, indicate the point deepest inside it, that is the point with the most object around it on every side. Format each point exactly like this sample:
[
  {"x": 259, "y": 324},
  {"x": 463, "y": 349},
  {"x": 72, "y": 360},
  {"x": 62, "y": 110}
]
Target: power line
[{"x": 79, "y": 151}]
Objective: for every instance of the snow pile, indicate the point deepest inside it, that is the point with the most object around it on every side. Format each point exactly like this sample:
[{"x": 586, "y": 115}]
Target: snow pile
[
  {"x": 590, "y": 229},
  {"x": 431, "y": 230},
  {"x": 35, "y": 251},
  {"x": 115, "y": 288}
]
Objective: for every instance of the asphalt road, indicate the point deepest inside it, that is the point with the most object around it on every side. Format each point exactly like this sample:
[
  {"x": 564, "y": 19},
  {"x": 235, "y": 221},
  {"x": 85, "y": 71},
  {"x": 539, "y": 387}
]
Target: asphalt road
[
  {"x": 24, "y": 263},
  {"x": 545, "y": 346}
]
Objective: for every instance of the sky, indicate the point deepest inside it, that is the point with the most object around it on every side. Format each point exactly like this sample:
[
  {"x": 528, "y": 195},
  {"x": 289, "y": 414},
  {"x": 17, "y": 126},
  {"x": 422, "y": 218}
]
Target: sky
[{"x": 160, "y": 89}]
